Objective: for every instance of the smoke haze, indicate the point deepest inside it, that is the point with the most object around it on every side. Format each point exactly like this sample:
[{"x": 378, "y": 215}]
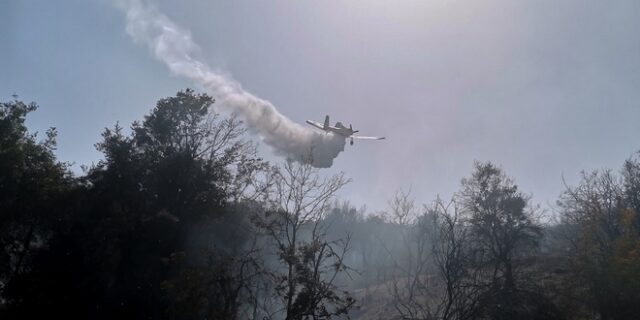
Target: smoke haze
[{"x": 174, "y": 47}]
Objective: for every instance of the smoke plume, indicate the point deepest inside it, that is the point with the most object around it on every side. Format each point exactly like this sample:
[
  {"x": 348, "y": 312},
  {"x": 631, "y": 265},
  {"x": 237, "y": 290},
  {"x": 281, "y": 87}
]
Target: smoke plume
[{"x": 174, "y": 47}]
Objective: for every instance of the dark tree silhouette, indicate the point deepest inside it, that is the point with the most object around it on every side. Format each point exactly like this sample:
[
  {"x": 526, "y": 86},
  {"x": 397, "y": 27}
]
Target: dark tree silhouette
[
  {"x": 128, "y": 234},
  {"x": 33, "y": 185},
  {"x": 504, "y": 235}
]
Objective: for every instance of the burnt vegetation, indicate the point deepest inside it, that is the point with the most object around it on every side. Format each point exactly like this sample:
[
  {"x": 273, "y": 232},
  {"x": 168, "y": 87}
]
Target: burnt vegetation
[{"x": 182, "y": 220}]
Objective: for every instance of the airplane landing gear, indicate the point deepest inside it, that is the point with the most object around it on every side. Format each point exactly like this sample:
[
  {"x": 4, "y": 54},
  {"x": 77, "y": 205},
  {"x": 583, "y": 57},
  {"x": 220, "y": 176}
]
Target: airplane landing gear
[{"x": 351, "y": 142}]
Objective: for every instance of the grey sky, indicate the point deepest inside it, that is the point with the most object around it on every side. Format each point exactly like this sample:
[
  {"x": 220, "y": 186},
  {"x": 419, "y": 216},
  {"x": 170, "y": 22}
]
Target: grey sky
[{"x": 544, "y": 88}]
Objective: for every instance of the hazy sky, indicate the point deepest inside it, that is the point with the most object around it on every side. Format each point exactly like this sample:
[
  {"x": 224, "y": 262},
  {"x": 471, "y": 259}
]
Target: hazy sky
[{"x": 544, "y": 88}]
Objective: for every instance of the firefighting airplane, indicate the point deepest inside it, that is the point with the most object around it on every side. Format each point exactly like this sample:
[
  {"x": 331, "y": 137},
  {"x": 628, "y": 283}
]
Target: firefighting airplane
[{"x": 340, "y": 129}]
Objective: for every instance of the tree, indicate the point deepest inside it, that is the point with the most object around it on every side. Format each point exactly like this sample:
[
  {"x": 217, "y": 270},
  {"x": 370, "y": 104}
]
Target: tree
[
  {"x": 602, "y": 213},
  {"x": 474, "y": 264},
  {"x": 169, "y": 193},
  {"x": 437, "y": 280},
  {"x": 308, "y": 262},
  {"x": 33, "y": 185},
  {"x": 163, "y": 207},
  {"x": 453, "y": 256},
  {"x": 504, "y": 233},
  {"x": 413, "y": 277}
]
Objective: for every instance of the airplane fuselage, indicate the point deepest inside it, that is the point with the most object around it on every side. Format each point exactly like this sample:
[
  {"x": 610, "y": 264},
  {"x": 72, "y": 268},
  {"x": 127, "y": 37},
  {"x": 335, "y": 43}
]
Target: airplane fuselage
[
  {"x": 341, "y": 130},
  {"x": 338, "y": 128}
]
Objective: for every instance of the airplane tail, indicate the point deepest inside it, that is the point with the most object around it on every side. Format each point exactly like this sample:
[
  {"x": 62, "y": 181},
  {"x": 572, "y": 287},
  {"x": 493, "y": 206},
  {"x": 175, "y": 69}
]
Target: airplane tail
[{"x": 326, "y": 122}]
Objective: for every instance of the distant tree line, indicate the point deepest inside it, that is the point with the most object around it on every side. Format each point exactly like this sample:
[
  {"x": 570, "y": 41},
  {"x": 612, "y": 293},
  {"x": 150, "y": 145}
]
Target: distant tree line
[{"x": 182, "y": 220}]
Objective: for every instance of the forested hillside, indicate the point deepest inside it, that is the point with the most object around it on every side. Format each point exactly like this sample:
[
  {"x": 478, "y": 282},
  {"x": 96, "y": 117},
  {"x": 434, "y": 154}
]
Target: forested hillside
[{"x": 181, "y": 219}]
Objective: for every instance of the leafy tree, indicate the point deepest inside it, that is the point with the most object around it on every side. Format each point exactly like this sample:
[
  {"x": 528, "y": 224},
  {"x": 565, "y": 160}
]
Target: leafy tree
[
  {"x": 129, "y": 234},
  {"x": 179, "y": 170},
  {"x": 602, "y": 212},
  {"x": 504, "y": 234},
  {"x": 32, "y": 192}
]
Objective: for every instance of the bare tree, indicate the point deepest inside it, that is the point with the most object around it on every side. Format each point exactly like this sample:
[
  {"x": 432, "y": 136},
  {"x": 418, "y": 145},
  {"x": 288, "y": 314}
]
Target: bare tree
[
  {"x": 437, "y": 281},
  {"x": 410, "y": 285},
  {"x": 453, "y": 257},
  {"x": 403, "y": 208},
  {"x": 308, "y": 262}
]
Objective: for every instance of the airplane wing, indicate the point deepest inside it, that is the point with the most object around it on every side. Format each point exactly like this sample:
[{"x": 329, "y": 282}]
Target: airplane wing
[
  {"x": 368, "y": 138},
  {"x": 315, "y": 124}
]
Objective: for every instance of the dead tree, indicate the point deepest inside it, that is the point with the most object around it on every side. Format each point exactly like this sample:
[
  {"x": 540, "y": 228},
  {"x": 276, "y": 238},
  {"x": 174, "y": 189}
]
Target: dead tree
[
  {"x": 437, "y": 280},
  {"x": 307, "y": 262}
]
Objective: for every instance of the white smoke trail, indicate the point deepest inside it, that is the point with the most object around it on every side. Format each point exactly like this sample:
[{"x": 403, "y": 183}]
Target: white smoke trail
[{"x": 174, "y": 47}]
